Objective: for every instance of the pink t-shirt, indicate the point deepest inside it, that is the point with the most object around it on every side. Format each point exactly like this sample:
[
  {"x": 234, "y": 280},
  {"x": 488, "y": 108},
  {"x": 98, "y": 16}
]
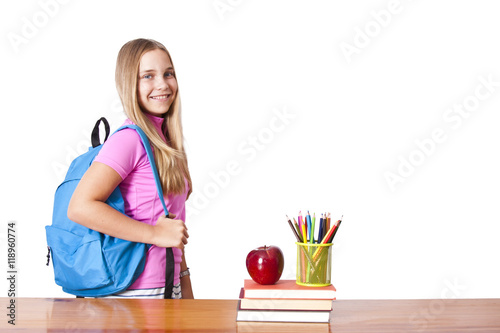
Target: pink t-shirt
[{"x": 124, "y": 152}]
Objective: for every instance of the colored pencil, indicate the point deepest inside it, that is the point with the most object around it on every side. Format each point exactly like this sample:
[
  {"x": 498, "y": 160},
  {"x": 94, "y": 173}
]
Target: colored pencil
[
  {"x": 320, "y": 231},
  {"x": 336, "y": 229},
  {"x": 304, "y": 234},
  {"x": 300, "y": 220},
  {"x": 308, "y": 218},
  {"x": 297, "y": 228},
  {"x": 293, "y": 229},
  {"x": 313, "y": 229},
  {"x": 329, "y": 234}
]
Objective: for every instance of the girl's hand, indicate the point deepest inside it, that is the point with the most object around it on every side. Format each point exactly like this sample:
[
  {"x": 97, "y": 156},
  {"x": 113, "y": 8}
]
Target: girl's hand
[{"x": 170, "y": 233}]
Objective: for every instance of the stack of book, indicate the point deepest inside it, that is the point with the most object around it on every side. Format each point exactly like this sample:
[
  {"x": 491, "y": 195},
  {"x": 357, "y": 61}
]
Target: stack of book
[{"x": 285, "y": 301}]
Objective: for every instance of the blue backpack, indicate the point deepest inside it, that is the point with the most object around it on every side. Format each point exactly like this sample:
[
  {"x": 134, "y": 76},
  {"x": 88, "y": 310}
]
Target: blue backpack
[{"x": 86, "y": 262}]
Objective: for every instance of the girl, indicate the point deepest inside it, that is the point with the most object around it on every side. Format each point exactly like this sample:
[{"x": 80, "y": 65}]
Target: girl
[{"x": 147, "y": 86}]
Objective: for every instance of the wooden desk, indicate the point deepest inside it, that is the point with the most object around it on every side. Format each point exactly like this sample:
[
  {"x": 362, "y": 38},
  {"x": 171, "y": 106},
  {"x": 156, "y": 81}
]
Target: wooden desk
[{"x": 105, "y": 315}]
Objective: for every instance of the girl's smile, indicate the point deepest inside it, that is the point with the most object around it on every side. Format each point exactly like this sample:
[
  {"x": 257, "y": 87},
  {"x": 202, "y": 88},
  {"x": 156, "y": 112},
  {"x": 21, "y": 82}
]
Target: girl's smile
[{"x": 161, "y": 97}]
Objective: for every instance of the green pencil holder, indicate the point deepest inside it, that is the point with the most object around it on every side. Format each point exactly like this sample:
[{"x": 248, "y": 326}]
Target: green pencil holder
[{"x": 314, "y": 264}]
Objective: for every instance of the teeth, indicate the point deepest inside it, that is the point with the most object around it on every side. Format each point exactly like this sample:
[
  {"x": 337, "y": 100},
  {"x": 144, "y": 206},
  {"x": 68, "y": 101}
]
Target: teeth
[{"x": 160, "y": 97}]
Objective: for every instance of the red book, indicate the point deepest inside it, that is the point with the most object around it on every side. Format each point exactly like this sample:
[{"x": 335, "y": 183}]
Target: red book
[{"x": 287, "y": 289}]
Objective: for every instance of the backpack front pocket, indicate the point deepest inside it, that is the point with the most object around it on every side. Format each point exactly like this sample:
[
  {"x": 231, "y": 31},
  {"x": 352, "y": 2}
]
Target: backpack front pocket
[{"x": 78, "y": 261}]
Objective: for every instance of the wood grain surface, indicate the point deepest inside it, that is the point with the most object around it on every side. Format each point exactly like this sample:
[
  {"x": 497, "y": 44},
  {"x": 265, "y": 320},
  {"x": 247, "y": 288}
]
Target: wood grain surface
[{"x": 108, "y": 315}]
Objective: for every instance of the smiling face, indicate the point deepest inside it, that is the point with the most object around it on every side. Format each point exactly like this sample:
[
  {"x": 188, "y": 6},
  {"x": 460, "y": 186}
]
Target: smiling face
[{"x": 156, "y": 85}]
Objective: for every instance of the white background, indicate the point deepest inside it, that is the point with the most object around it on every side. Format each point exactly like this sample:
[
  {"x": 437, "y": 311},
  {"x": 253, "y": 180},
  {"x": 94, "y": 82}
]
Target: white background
[{"x": 357, "y": 85}]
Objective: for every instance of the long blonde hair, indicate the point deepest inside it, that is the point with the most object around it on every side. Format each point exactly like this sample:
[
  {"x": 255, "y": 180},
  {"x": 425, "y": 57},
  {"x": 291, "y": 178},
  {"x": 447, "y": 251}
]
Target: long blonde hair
[{"x": 170, "y": 157}]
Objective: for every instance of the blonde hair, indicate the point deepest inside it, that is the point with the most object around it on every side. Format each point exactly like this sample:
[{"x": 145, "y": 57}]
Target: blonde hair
[{"x": 170, "y": 156}]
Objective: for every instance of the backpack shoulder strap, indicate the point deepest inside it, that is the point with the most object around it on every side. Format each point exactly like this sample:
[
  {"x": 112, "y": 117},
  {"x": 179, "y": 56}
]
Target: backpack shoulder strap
[
  {"x": 149, "y": 153},
  {"x": 170, "y": 262}
]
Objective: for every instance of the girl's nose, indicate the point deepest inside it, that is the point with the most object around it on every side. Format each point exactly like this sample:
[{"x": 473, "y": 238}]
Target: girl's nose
[{"x": 161, "y": 83}]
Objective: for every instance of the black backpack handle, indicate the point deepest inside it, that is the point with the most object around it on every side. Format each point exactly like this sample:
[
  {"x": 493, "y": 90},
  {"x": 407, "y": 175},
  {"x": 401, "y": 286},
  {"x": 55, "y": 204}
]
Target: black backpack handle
[{"x": 96, "y": 141}]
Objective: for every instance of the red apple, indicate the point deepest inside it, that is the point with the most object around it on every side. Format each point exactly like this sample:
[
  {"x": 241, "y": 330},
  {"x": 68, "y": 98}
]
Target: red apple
[{"x": 265, "y": 264}]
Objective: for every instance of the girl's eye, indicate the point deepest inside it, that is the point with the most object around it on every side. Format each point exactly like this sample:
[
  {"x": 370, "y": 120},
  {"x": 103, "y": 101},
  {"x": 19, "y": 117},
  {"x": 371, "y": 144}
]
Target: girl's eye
[
  {"x": 147, "y": 76},
  {"x": 169, "y": 74}
]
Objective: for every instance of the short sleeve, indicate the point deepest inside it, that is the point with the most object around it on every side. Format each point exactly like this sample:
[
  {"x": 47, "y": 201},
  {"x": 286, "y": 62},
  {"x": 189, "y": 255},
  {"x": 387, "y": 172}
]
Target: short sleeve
[{"x": 123, "y": 152}]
